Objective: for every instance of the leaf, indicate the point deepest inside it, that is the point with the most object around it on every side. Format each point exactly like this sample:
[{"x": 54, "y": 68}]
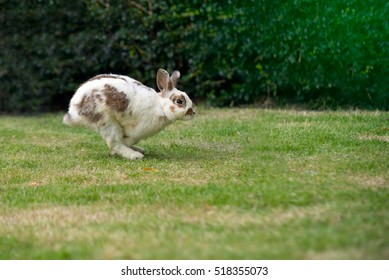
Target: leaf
[{"x": 150, "y": 169}]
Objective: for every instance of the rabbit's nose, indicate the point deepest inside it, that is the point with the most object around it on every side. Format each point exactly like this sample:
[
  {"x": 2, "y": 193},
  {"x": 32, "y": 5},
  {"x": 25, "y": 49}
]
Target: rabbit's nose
[{"x": 191, "y": 111}]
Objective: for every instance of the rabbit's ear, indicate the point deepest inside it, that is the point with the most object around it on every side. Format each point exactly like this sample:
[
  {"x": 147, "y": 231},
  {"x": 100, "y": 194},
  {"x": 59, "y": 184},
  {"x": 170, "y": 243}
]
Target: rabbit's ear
[
  {"x": 174, "y": 78},
  {"x": 163, "y": 80}
]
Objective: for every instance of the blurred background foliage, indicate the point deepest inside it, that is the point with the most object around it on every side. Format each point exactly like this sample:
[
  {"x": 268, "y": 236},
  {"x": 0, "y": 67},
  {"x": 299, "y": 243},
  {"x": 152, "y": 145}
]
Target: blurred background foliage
[{"x": 323, "y": 54}]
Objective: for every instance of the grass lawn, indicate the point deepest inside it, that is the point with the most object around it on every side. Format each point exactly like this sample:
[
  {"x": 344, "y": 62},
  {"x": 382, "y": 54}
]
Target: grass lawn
[{"x": 231, "y": 184}]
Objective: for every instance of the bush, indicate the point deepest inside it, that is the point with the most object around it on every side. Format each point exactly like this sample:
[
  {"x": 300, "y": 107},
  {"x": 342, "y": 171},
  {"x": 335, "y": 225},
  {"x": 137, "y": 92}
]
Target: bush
[{"x": 230, "y": 53}]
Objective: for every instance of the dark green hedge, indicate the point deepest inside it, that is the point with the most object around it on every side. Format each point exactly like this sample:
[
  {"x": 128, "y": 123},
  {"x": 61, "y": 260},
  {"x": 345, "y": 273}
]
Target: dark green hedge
[{"x": 324, "y": 53}]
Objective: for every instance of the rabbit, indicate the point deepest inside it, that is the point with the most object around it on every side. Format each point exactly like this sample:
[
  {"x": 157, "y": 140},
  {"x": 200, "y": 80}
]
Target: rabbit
[{"x": 124, "y": 111}]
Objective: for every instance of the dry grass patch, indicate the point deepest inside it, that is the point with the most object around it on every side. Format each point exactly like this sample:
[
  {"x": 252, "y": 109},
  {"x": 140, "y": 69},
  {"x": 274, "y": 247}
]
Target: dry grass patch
[{"x": 384, "y": 138}]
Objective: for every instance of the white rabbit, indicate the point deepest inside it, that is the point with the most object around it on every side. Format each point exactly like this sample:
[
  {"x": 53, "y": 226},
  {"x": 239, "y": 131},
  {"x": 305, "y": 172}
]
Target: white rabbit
[{"x": 124, "y": 111}]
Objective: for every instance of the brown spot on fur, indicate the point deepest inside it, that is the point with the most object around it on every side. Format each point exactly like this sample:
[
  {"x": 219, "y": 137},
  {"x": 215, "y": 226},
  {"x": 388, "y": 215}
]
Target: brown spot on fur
[
  {"x": 87, "y": 108},
  {"x": 99, "y": 97},
  {"x": 116, "y": 100},
  {"x": 171, "y": 108}
]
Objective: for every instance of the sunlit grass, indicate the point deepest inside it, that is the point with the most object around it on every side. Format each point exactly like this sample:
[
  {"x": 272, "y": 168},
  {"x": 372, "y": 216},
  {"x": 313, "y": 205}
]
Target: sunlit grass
[{"x": 232, "y": 184}]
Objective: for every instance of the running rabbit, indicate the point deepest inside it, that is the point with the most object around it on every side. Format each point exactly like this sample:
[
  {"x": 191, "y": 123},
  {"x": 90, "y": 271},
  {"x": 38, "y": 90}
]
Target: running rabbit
[{"x": 124, "y": 111}]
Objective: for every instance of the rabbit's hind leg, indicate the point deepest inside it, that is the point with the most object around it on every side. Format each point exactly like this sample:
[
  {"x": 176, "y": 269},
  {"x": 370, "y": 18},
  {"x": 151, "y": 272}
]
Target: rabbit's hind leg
[
  {"x": 112, "y": 133},
  {"x": 138, "y": 149}
]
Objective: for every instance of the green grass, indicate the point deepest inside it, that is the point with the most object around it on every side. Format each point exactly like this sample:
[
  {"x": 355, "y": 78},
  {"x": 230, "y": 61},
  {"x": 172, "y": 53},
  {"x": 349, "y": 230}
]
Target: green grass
[{"x": 231, "y": 184}]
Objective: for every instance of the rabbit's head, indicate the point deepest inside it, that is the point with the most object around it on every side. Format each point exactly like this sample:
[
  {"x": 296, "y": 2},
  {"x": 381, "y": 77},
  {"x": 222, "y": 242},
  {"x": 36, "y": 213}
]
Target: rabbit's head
[{"x": 175, "y": 103}]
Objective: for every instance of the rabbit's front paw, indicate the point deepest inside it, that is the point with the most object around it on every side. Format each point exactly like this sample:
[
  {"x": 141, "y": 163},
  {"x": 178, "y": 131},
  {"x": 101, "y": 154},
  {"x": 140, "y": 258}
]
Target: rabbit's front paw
[{"x": 126, "y": 152}]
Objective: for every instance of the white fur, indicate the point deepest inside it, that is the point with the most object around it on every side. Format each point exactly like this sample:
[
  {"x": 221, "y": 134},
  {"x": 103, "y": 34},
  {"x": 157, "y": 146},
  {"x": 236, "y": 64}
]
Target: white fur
[{"x": 124, "y": 111}]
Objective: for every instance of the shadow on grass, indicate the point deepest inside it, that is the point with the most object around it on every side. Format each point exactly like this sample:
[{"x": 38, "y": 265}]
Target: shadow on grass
[
  {"x": 190, "y": 152},
  {"x": 173, "y": 152}
]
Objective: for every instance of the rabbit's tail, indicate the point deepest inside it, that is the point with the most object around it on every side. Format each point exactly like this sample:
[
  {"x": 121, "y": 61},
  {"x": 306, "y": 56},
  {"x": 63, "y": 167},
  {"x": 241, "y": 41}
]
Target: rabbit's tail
[{"x": 67, "y": 119}]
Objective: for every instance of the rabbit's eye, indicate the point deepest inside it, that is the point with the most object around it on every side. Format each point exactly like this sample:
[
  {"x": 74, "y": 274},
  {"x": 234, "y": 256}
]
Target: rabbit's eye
[{"x": 179, "y": 100}]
